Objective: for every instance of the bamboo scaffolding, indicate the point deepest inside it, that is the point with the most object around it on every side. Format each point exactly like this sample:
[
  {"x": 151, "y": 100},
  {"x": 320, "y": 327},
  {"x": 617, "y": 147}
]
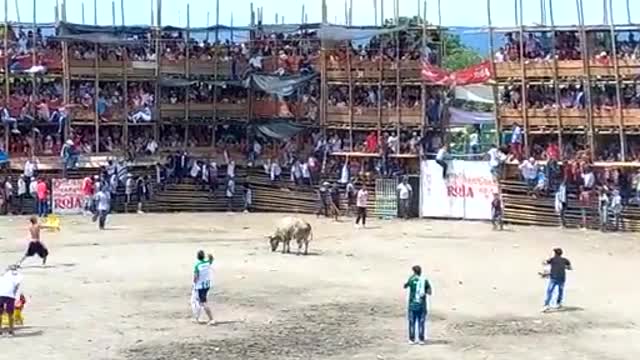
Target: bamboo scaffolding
[
  {"x": 587, "y": 77},
  {"x": 7, "y": 90},
  {"x": 398, "y": 65},
  {"x": 125, "y": 91},
  {"x": 616, "y": 69},
  {"x": 187, "y": 71},
  {"x": 96, "y": 85},
  {"x": 350, "y": 77},
  {"x": 494, "y": 86},
  {"x": 556, "y": 87},
  {"x": 523, "y": 77}
]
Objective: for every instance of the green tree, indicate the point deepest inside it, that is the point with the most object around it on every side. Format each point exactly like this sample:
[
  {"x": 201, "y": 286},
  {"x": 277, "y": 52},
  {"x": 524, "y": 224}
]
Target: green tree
[{"x": 458, "y": 56}]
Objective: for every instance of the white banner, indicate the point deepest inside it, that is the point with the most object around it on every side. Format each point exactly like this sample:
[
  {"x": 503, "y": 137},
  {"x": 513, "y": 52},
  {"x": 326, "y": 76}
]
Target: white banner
[
  {"x": 67, "y": 196},
  {"x": 466, "y": 193}
]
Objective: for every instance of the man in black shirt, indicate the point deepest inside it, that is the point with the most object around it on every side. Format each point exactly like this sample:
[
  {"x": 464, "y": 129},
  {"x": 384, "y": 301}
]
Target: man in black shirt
[{"x": 557, "y": 277}]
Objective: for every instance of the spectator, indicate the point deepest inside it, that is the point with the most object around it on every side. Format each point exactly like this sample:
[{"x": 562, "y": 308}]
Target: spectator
[
  {"x": 561, "y": 203},
  {"x": 230, "y": 193},
  {"x": 42, "y": 197},
  {"x": 404, "y": 195},
  {"x": 529, "y": 171},
  {"x": 616, "y": 210},
  {"x": 516, "y": 141},
  {"x": 497, "y": 212},
  {"x": 441, "y": 159},
  {"x": 248, "y": 197}
]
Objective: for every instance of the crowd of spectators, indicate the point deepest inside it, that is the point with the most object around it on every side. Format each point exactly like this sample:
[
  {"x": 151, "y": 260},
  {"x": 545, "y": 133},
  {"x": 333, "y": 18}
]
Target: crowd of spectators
[{"x": 540, "y": 46}]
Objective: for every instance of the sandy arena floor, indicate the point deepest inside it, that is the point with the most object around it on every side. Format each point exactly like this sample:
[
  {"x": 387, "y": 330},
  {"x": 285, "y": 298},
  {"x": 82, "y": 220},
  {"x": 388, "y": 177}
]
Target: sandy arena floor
[{"x": 124, "y": 293}]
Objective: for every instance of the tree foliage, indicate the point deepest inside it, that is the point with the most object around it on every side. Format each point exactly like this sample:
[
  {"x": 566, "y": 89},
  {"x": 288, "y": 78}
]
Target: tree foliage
[{"x": 456, "y": 54}]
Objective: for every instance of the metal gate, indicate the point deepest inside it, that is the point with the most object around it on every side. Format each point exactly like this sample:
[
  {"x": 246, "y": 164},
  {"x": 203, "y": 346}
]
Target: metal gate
[{"x": 386, "y": 199}]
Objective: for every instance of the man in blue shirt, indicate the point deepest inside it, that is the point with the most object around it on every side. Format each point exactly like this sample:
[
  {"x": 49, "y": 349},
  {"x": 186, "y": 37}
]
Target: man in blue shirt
[{"x": 419, "y": 288}]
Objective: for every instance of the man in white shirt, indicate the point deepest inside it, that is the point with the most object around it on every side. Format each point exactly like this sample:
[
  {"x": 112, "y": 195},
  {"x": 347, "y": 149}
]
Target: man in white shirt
[
  {"x": 362, "y": 201},
  {"x": 9, "y": 286},
  {"x": 588, "y": 179},
  {"x": 103, "y": 204},
  {"x": 441, "y": 158},
  {"x": 8, "y": 195},
  {"x": 529, "y": 170},
  {"x": 29, "y": 171},
  {"x": 404, "y": 194},
  {"x": 152, "y": 147},
  {"x": 516, "y": 141},
  {"x": 230, "y": 192},
  {"x": 496, "y": 160}
]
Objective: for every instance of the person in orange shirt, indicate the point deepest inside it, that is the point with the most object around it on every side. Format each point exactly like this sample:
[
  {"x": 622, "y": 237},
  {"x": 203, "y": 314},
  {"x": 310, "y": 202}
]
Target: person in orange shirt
[{"x": 42, "y": 192}]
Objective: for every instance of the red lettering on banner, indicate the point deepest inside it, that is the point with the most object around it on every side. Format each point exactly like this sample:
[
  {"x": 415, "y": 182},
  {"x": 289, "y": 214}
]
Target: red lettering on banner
[{"x": 460, "y": 191}]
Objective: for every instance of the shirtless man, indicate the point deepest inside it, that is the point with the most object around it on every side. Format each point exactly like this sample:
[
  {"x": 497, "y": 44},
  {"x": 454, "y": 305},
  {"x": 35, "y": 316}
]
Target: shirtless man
[{"x": 35, "y": 245}]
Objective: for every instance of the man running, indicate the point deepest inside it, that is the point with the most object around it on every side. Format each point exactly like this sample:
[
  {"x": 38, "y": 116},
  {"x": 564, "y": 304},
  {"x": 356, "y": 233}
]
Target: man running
[
  {"x": 35, "y": 245},
  {"x": 202, "y": 284}
]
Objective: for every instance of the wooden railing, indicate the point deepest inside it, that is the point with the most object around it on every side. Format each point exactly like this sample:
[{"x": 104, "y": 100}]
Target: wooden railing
[
  {"x": 368, "y": 117},
  {"x": 566, "y": 68},
  {"x": 373, "y": 70},
  {"x": 570, "y": 117}
]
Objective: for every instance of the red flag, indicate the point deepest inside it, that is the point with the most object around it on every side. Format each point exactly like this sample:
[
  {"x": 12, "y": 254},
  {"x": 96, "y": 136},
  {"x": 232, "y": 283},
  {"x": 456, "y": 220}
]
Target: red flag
[
  {"x": 476, "y": 74},
  {"x": 434, "y": 75}
]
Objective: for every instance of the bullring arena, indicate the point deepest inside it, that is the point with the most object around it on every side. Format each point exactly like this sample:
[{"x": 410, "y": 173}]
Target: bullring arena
[{"x": 123, "y": 293}]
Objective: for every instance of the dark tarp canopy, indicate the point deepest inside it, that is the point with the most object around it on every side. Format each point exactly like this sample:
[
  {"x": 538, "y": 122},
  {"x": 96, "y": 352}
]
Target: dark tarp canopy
[
  {"x": 277, "y": 85},
  {"x": 98, "y": 38},
  {"x": 279, "y": 129},
  {"x": 66, "y": 28}
]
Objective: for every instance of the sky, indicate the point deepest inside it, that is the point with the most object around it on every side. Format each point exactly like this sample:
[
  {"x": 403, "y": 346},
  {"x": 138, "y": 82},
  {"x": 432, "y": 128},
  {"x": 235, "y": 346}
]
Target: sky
[{"x": 472, "y": 13}]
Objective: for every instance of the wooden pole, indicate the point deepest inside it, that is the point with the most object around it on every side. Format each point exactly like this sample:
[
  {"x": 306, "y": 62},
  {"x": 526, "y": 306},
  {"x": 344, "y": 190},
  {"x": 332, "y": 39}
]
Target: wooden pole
[
  {"x": 616, "y": 68},
  {"x": 323, "y": 75},
  {"x": 83, "y": 19},
  {"x": 113, "y": 13},
  {"x": 65, "y": 71},
  {"x": 95, "y": 12},
  {"x": 277, "y": 17},
  {"x": 398, "y": 66},
  {"x": 217, "y": 20},
  {"x": 17, "y": 11},
  {"x": 523, "y": 78},
  {"x": 515, "y": 13},
  {"x": 496, "y": 108},
  {"x": 208, "y": 24},
  {"x": 55, "y": 15},
  {"x": 556, "y": 85},
  {"x": 7, "y": 90},
  {"x": 96, "y": 85},
  {"x": 152, "y": 21},
  {"x": 587, "y": 74},
  {"x": 375, "y": 11},
  {"x": 57, "y": 11},
  {"x": 232, "y": 28},
  {"x": 187, "y": 71},
  {"x": 605, "y": 16},
  {"x": 158, "y": 45},
  {"x": 125, "y": 93},
  {"x": 34, "y": 61},
  {"x": 628, "y": 3},
  {"x": 381, "y": 12},
  {"x": 302, "y": 15},
  {"x": 122, "y": 12},
  {"x": 423, "y": 86},
  {"x": 350, "y": 12},
  {"x": 439, "y": 14}
]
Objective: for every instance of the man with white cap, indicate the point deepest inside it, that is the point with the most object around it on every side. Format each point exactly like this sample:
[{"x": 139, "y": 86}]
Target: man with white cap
[{"x": 9, "y": 286}]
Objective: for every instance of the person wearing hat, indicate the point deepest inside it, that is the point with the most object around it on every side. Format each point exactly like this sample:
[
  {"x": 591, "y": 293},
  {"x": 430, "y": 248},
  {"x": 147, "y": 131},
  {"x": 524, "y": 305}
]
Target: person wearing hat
[
  {"x": 68, "y": 156},
  {"x": 9, "y": 286}
]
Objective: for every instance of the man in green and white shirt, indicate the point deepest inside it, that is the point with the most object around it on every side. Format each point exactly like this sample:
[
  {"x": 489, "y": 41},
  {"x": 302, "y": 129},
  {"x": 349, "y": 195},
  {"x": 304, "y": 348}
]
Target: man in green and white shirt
[
  {"x": 202, "y": 283},
  {"x": 419, "y": 288}
]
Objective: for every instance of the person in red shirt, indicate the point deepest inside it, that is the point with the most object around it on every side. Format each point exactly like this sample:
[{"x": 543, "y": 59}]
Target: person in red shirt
[
  {"x": 42, "y": 192},
  {"x": 553, "y": 151},
  {"x": 372, "y": 142},
  {"x": 87, "y": 193}
]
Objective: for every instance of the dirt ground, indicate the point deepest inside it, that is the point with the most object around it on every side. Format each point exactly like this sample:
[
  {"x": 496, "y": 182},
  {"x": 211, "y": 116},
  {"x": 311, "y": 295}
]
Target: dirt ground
[{"x": 124, "y": 293}]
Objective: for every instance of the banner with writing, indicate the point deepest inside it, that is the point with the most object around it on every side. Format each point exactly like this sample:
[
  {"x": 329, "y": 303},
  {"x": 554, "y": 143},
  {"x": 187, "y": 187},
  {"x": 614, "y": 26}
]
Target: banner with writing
[
  {"x": 466, "y": 192},
  {"x": 67, "y": 196}
]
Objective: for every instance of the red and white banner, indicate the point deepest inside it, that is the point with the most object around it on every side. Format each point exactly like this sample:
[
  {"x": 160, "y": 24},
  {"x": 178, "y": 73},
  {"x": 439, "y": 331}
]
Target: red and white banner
[
  {"x": 476, "y": 74},
  {"x": 67, "y": 196},
  {"x": 465, "y": 194}
]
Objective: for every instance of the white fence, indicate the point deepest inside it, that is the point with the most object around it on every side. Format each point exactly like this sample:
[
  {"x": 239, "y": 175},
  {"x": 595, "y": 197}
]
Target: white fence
[{"x": 466, "y": 193}]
